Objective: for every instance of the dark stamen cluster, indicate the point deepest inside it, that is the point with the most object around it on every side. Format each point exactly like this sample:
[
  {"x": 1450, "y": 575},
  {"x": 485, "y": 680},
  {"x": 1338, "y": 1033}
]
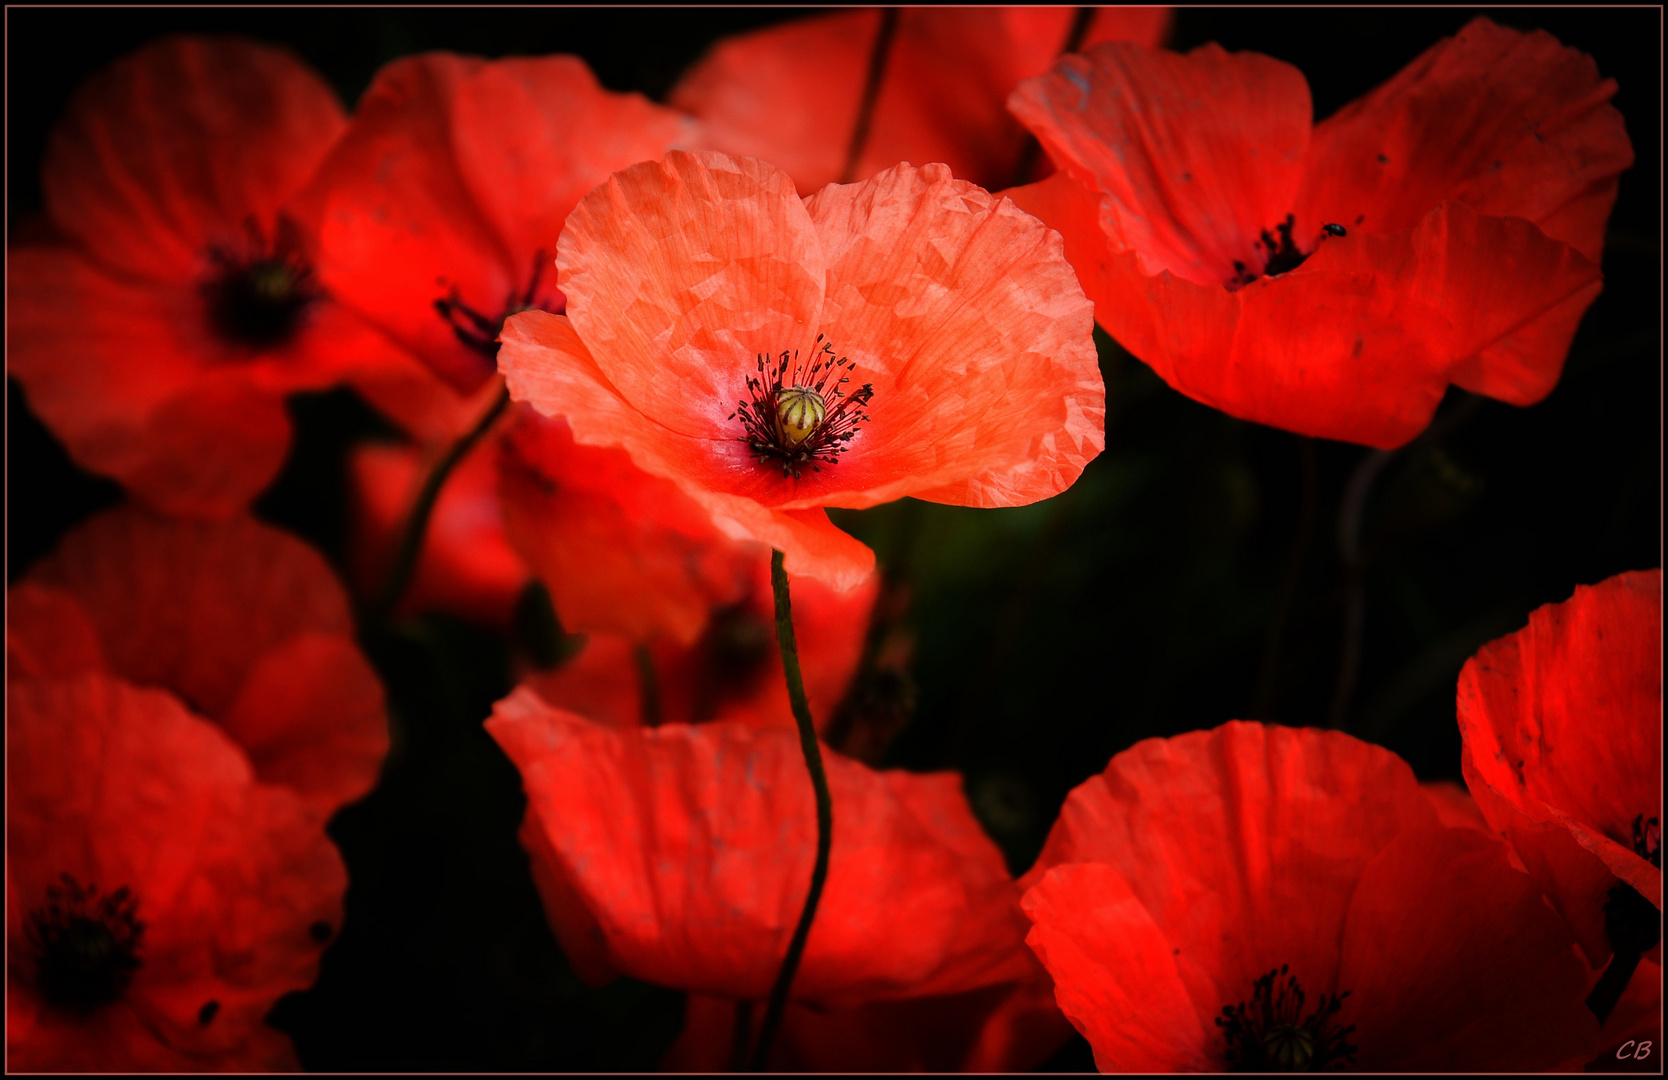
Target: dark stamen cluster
[
  {"x": 1270, "y": 1034},
  {"x": 1282, "y": 254},
  {"x": 480, "y": 332},
  {"x": 783, "y": 383},
  {"x": 257, "y": 297},
  {"x": 85, "y": 945}
]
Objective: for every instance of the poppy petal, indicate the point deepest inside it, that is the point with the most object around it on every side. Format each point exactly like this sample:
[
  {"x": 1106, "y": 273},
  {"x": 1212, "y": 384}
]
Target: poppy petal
[
  {"x": 1519, "y": 1004},
  {"x": 1513, "y": 124},
  {"x": 963, "y": 313},
  {"x": 1194, "y": 155},
  {"x": 311, "y": 716},
  {"x": 170, "y": 150},
  {"x": 1563, "y": 743},
  {"x": 1115, "y": 973},
  {"x": 118, "y": 786},
  {"x": 940, "y": 99},
  {"x": 47, "y": 634},
  {"x": 690, "y": 846}
]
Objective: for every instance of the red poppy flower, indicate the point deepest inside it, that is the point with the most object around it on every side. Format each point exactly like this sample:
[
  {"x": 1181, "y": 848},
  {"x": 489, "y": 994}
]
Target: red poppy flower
[
  {"x": 158, "y": 334},
  {"x": 790, "y": 94},
  {"x": 622, "y": 552},
  {"x": 241, "y": 621},
  {"x": 1268, "y": 898},
  {"x": 1333, "y": 279},
  {"x": 733, "y": 671},
  {"x": 466, "y": 566},
  {"x": 681, "y": 855},
  {"x": 1562, "y": 723},
  {"x": 439, "y": 210},
  {"x": 909, "y": 335},
  {"x": 1013, "y": 1027},
  {"x": 159, "y": 901}
]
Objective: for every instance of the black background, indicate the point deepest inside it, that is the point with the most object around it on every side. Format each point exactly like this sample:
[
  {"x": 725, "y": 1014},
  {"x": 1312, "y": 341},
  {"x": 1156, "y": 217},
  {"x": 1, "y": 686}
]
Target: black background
[{"x": 1145, "y": 601}]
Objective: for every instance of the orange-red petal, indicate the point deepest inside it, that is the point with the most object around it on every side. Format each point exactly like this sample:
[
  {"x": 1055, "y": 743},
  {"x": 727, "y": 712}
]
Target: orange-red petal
[
  {"x": 1562, "y": 723},
  {"x": 47, "y": 634},
  {"x": 689, "y": 849},
  {"x": 789, "y": 94},
  {"x": 119, "y": 786}
]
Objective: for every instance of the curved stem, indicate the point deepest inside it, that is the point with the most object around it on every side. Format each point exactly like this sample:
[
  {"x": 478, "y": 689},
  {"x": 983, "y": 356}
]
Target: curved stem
[
  {"x": 1268, "y": 672},
  {"x": 825, "y": 810},
  {"x": 1350, "y": 514},
  {"x": 417, "y": 522},
  {"x": 871, "y": 92},
  {"x": 1081, "y": 20}
]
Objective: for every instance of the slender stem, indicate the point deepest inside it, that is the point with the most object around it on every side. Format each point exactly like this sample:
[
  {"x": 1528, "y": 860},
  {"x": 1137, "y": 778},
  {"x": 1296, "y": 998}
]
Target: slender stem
[
  {"x": 1350, "y": 513},
  {"x": 1612, "y": 984},
  {"x": 739, "y": 1036},
  {"x": 1081, "y": 20},
  {"x": 648, "y": 687},
  {"x": 417, "y": 522},
  {"x": 871, "y": 92},
  {"x": 1268, "y": 674},
  {"x": 825, "y": 810}
]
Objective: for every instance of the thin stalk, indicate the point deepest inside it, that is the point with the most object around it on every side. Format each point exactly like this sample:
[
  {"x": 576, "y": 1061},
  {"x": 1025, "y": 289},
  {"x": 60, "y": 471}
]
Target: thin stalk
[
  {"x": 871, "y": 92},
  {"x": 738, "y": 1037},
  {"x": 417, "y": 522},
  {"x": 825, "y": 810},
  {"x": 1268, "y": 673},
  {"x": 1350, "y": 513},
  {"x": 648, "y": 687},
  {"x": 1081, "y": 20}
]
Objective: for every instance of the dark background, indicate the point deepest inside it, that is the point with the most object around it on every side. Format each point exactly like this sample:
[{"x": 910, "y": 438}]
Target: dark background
[{"x": 1192, "y": 576}]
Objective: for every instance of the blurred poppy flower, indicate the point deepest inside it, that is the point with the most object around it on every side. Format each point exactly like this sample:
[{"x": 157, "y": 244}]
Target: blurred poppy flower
[
  {"x": 1562, "y": 729},
  {"x": 1334, "y": 279},
  {"x": 159, "y": 326},
  {"x": 465, "y": 567},
  {"x": 246, "y": 624},
  {"x": 790, "y": 94},
  {"x": 159, "y": 901},
  {"x": 438, "y": 212},
  {"x": 622, "y": 552},
  {"x": 1263, "y": 898},
  {"x": 733, "y": 671},
  {"x": 680, "y": 855},
  {"x": 908, "y": 335}
]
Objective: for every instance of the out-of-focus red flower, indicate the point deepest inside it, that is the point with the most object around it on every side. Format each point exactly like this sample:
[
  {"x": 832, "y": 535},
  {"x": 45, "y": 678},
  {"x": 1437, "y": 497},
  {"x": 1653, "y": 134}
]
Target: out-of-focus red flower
[
  {"x": 733, "y": 671},
  {"x": 1334, "y": 279},
  {"x": 1562, "y": 728},
  {"x": 245, "y": 623},
  {"x": 439, "y": 211},
  {"x": 790, "y": 94},
  {"x": 159, "y": 900},
  {"x": 1267, "y": 898},
  {"x": 681, "y": 855},
  {"x": 622, "y": 552},
  {"x": 908, "y": 335},
  {"x": 157, "y": 332},
  {"x": 466, "y": 566}
]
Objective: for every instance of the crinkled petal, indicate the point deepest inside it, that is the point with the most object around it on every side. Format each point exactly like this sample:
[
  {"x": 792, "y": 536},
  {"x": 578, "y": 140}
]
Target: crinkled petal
[
  {"x": 174, "y": 148},
  {"x": 1510, "y": 123},
  {"x": 119, "y": 786},
  {"x": 690, "y": 849},
  {"x": 48, "y": 635},
  {"x": 941, "y": 96}
]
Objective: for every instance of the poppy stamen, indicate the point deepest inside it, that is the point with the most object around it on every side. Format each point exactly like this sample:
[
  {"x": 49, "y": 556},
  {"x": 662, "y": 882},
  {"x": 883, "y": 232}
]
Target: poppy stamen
[
  {"x": 257, "y": 297},
  {"x": 480, "y": 332},
  {"x": 1270, "y": 1033},
  {"x": 1281, "y": 252},
  {"x": 85, "y": 945},
  {"x": 800, "y": 415}
]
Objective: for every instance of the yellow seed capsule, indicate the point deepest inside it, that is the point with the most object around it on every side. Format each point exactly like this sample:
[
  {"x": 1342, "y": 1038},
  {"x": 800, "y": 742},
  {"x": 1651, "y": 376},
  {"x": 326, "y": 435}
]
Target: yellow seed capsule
[{"x": 799, "y": 411}]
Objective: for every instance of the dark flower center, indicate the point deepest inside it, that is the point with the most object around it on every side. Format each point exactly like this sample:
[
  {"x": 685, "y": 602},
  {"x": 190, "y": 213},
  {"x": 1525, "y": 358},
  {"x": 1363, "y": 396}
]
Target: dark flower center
[
  {"x": 800, "y": 414},
  {"x": 1270, "y": 1033},
  {"x": 85, "y": 945},
  {"x": 1280, "y": 253},
  {"x": 259, "y": 296},
  {"x": 733, "y": 652},
  {"x": 480, "y": 332}
]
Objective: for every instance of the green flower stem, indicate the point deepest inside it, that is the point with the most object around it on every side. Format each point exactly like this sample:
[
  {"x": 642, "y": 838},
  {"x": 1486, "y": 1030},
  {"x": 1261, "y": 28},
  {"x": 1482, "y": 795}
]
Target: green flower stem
[
  {"x": 825, "y": 811},
  {"x": 417, "y": 522},
  {"x": 871, "y": 92}
]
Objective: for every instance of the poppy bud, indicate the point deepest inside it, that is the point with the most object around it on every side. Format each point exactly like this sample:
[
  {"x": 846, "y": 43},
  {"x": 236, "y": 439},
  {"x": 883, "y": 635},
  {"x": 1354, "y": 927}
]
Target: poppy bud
[{"x": 799, "y": 412}]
